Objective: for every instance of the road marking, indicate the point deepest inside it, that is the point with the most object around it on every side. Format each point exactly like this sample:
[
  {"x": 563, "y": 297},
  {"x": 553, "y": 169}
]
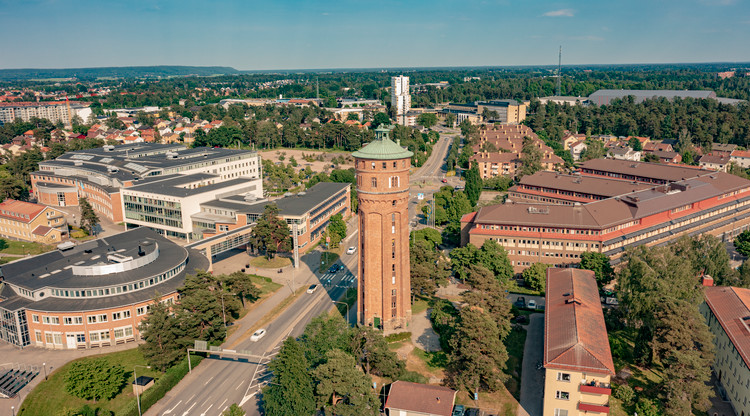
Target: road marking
[
  {"x": 209, "y": 408},
  {"x": 170, "y": 410},
  {"x": 222, "y": 403},
  {"x": 239, "y": 385},
  {"x": 209, "y": 380},
  {"x": 189, "y": 409}
]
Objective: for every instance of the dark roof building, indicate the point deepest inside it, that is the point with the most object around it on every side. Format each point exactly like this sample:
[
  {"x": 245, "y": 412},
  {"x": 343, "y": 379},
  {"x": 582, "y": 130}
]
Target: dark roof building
[
  {"x": 553, "y": 187},
  {"x": 604, "y": 97},
  {"x": 654, "y": 173},
  {"x": 87, "y": 282}
]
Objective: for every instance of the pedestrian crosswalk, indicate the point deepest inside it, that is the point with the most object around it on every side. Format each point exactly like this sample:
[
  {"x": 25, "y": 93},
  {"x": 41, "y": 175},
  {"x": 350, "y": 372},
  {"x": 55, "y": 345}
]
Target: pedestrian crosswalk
[{"x": 327, "y": 280}]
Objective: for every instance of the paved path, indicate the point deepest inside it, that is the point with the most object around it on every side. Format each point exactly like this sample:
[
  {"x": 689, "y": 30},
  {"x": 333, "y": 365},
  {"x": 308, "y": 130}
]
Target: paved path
[
  {"x": 532, "y": 380},
  {"x": 422, "y": 334}
]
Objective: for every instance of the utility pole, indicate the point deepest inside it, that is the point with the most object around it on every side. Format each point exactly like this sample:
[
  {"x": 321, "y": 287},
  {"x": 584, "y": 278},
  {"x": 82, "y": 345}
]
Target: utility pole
[
  {"x": 296, "y": 246},
  {"x": 559, "y": 68}
]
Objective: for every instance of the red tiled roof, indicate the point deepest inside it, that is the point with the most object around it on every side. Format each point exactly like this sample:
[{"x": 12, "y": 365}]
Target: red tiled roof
[
  {"x": 741, "y": 153},
  {"x": 731, "y": 306},
  {"x": 575, "y": 337},
  {"x": 20, "y": 210},
  {"x": 423, "y": 398},
  {"x": 41, "y": 230}
]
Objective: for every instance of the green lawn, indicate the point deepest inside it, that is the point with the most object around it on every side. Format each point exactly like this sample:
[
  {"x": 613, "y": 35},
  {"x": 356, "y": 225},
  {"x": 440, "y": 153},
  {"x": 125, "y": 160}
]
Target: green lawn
[
  {"x": 420, "y": 305},
  {"x": 514, "y": 343},
  {"x": 49, "y": 397},
  {"x": 274, "y": 263},
  {"x": 265, "y": 283},
  {"x": 434, "y": 360},
  {"x": 327, "y": 258},
  {"x": 24, "y": 247}
]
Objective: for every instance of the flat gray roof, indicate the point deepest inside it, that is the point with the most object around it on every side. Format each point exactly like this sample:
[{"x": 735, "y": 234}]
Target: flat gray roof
[
  {"x": 171, "y": 185},
  {"x": 294, "y": 205}
]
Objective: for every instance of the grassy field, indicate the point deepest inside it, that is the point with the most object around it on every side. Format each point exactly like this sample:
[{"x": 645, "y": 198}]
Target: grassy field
[
  {"x": 24, "y": 247},
  {"x": 49, "y": 397},
  {"x": 275, "y": 263},
  {"x": 420, "y": 305}
]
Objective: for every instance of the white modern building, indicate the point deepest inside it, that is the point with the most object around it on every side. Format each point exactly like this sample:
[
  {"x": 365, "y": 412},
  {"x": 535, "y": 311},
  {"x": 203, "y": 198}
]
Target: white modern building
[
  {"x": 400, "y": 98},
  {"x": 166, "y": 203}
]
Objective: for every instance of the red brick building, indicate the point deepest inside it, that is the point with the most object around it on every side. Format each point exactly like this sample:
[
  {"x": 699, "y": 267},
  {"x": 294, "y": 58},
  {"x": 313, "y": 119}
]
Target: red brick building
[{"x": 383, "y": 299}]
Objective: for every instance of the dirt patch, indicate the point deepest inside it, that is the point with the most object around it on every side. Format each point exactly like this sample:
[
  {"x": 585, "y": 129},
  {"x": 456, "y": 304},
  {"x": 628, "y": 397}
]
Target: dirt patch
[{"x": 317, "y": 160}]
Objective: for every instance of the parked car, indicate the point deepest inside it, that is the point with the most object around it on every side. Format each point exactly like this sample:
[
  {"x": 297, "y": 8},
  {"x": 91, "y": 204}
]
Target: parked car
[
  {"x": 333, "y": 269},
  {"x": 351, "y": 250},
  {"x": 458, "y": 410},
  {"x": 312, "y": 288},
  {"x": 444, "y": 180},
  {"x": 531, "y": 304},
  {"x": 258, "y": 335},
  {"x": 472, "y": 412},
  {"x": 522, "y": 319},
  {"x": 520, "y": 302}
]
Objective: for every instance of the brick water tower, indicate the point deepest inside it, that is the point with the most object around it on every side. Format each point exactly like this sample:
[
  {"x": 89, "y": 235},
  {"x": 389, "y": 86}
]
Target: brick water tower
[{"x": 384, "y": 297}]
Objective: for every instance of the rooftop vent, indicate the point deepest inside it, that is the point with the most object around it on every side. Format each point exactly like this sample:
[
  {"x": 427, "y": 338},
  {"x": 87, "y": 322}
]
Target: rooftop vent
[
  {"x": 108, "y": 148},
  {"x": 535, "y": 210}
]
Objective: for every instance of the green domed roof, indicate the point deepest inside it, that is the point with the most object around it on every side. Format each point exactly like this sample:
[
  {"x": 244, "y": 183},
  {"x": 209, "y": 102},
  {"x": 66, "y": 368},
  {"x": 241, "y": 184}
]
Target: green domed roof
[{"x": 382, "y": 149}]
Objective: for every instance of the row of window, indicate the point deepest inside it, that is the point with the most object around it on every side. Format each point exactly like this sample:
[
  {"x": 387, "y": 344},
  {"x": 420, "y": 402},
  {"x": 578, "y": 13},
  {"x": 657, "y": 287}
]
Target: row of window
[
  {"x": 78, "y": 320},
  {"x": 56, "y": 338},
  {"x": 384, "y": 165}
]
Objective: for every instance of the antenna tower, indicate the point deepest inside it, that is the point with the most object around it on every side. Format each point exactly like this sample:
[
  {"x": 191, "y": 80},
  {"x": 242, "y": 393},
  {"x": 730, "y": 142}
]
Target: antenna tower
[
  {"x": 559, "y": 68},
  {"x": 317, "y": 88}
]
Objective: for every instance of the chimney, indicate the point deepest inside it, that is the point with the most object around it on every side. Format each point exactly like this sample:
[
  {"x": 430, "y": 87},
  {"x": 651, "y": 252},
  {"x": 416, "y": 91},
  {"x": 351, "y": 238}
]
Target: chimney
[{"x": 707, "y": 280}]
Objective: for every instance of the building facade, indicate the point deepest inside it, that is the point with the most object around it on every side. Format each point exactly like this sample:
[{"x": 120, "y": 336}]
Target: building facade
[
  {"x": 400, "y": 98},
  {"x": 93, "y": 294},
  {"x": 384, "y": 295},
  {"x": 31, "y": 222},
  {"x": 101, "y": 174},
  {"x": 715, "y": 203},
  {"x": 53, "y": 111},
  {"x": 727, "y": 313},
  {"x": 578, "y": 363}
]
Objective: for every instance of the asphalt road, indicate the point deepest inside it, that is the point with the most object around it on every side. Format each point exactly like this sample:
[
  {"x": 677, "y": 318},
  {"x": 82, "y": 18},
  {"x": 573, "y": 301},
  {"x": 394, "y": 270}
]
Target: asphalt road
[
  {"x": 427, "y": 179},
  {"x": 217, "y": 383}
]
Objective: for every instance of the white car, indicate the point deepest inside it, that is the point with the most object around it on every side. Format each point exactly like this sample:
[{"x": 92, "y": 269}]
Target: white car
[
  {"x": 351, "y": 250},
  {"x": 258, "y": 335},
  {"x": 531, "y": 304},
  {"x": 312, "y": 288}
]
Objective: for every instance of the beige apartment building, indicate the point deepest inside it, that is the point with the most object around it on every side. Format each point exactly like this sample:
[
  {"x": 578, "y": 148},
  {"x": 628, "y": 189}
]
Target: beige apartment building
[
  {"x": 31, "y": 222},
  {"x": 727, "y": 312},
  {"x": 577, "y": 360}
]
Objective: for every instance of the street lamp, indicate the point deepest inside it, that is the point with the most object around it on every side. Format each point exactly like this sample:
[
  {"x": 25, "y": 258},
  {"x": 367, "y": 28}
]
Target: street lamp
[
  {"x": 137, "y": 394},
  {"x": 223, "y": 312},
  {"x": 45, "y": 370},
  {"x": 347, "y": 309},
  {"x": 13, "y": 409}
]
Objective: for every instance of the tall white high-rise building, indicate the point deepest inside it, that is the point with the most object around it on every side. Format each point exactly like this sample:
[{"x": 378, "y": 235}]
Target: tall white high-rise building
[{"x": 400, "y": 98}]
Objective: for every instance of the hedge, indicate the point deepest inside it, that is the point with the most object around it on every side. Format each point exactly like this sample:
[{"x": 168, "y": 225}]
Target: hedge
[{"x": 161, "y": 387}]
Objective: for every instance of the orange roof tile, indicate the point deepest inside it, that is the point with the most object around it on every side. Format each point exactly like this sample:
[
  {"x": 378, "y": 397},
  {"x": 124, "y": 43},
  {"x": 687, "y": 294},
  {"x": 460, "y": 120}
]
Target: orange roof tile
[
  {"x": 20, "y": 210},
  {"x": 421, "y": 398},
  {"x": 575, "y": 337},
  {"x": 731, "y": 306}
]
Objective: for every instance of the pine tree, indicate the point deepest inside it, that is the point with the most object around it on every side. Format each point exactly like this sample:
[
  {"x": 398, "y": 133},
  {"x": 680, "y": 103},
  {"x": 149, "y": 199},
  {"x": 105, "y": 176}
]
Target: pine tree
[
  {"x": 159, "y": 330},
  {"x": 89, "y": 219},
  {"x": 290, "y": 392},
  {"x": 271, "y": 233},
  {"x": 342, "y": 389}
]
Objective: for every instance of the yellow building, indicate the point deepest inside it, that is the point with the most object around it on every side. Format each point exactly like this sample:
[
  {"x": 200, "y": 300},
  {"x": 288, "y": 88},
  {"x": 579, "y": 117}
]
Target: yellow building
[
  {"x": 577, "y": 360},
  {"x": 26, "y": 221},
  {"x": 727, "y": 312}
]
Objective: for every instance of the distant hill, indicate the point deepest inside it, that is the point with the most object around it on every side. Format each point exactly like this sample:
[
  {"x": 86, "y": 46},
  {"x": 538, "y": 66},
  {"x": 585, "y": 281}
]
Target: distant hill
[{"x": 114, "y": 72}]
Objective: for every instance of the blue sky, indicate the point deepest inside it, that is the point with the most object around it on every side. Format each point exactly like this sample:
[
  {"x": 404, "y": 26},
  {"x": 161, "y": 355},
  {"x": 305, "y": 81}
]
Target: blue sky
[{"x": 286, "y": 34}]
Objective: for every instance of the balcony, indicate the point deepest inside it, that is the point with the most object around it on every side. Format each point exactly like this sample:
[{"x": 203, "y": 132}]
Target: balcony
[
  {"x": 594, "y": 387},
  {"x": 588, "y": 407}
]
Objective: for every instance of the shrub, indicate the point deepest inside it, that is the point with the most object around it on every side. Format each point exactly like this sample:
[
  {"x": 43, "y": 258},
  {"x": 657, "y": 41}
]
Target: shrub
[
  {"x": 401, "y": 336},
  {"x": 624, "y": 393}
]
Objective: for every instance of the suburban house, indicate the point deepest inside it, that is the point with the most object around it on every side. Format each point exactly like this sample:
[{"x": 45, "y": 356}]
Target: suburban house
[{"x": 414, "y": 399}]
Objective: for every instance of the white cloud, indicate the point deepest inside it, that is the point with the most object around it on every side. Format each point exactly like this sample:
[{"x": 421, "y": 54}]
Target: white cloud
[{"x": 560, "y": 13}]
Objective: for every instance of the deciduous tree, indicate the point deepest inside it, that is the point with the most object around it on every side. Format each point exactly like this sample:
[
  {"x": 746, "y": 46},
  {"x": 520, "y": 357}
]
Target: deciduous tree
[
  {"x": 535, "y": 276},
  {"x": 599, "y": 264},
  {"x": 342, "y": 389},
  {"x": 89, "y": 219},
  {"x": 271, "y": 233}
]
